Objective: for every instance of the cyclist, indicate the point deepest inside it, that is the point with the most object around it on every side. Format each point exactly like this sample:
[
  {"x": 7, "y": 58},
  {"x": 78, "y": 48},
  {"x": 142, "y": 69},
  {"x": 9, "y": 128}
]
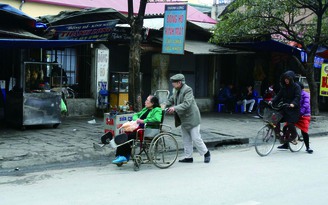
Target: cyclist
[
  {"x": 305, "y": 118},
  {"x": 290, "y": 93}
]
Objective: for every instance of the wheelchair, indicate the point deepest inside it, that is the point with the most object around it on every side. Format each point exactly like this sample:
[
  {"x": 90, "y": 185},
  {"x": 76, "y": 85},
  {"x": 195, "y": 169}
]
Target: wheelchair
[{"x": 151, "y": 146}]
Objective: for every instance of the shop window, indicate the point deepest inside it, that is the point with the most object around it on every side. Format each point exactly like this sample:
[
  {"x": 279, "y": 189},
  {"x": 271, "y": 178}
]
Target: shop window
[{"x": 68, "y": 60}]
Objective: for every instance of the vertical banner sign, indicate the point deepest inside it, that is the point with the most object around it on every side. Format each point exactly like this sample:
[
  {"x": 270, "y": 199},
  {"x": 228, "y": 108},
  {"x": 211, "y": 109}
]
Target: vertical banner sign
[
  {"x": 102, "y": 62},
  {"x": 3, "y": 89},
  {"x": 175, "y": 19},
  {"x": 324, "y": 80}
]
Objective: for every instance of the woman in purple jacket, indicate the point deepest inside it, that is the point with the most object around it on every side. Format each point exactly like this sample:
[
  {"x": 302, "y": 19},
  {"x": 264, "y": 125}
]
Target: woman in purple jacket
[{"x": 305, "y": 117}]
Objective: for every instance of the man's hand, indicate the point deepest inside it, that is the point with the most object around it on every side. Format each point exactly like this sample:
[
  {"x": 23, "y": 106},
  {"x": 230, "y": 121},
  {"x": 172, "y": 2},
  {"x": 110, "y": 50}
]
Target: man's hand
[
  {"x": 291, "y": 105},
  {"x": 171, "y": 110}
]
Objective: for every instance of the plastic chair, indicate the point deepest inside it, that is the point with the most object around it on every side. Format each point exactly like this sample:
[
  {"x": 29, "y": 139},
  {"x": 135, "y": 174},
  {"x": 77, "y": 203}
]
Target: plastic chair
[{"x": 220, "y": 107}]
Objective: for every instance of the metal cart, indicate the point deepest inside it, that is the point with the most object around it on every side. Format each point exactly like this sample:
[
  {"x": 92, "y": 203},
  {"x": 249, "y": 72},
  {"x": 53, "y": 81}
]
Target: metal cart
[{"x": 34, "y": 103}]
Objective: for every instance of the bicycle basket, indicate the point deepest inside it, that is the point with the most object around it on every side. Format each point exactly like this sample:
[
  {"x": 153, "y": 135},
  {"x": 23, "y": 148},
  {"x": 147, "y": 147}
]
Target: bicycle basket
[{"x": 271, "y": 116}]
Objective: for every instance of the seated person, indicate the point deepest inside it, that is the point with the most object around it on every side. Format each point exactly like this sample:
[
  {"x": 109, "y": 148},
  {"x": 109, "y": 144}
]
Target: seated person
[
  {"x": 227, "y": 98},
  {"x": 247, "y": 97},
  {"x": 152, "y": 112},
  {"x": 59, "y": 75}
]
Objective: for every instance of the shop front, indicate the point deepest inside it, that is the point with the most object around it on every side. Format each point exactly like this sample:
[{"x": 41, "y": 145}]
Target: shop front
[{"x": 31, "y": 82}]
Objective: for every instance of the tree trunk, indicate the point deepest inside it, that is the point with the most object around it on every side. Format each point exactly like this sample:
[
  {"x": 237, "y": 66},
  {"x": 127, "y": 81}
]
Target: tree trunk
[
  {"x": 134, "y": 68},
  {"x": 312, "y": 85},
  {"x": 309, "y": 74},
  {"x": 136, "y": 24}
]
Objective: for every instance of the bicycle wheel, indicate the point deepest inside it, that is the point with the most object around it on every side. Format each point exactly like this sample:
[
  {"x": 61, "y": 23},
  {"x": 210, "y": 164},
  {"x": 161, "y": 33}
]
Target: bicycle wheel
[
  {"x": 297, "y": 144},
  {"x": 265, "y": 140},
  {"x": 163, "y": 150}
]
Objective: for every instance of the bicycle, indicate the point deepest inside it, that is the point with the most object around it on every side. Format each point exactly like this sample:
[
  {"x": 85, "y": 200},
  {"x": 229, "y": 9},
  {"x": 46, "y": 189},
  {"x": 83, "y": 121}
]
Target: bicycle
[{"x": 267, "y": 135}]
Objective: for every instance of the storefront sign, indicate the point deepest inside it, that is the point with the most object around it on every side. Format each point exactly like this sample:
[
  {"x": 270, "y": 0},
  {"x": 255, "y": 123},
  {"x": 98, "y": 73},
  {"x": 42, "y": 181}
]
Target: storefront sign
[
  {"x": 99, "y": 30},
  {"x": 175, "y": 18},
  {"x": 324, "y": 80},
  {"x": 123, "y": 34},
  {"x": 3, "y": 89},
  {"x": 102, "y": 62},
  {"x": 120, "y": 34}
]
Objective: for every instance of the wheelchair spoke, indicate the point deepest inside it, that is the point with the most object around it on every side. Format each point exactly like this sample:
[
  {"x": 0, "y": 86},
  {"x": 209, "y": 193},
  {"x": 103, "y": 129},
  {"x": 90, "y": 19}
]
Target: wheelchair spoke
[{"x": 164, "y": 150}]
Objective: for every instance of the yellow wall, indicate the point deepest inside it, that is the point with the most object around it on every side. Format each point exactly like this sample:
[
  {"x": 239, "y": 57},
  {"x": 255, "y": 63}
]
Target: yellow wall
[{"x": 36, "y": 9}]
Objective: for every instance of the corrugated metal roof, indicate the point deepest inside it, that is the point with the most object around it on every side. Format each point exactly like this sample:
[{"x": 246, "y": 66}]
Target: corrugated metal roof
[
  {"x": 199, "y": 47},
  {"x": 205, "y": 48}
]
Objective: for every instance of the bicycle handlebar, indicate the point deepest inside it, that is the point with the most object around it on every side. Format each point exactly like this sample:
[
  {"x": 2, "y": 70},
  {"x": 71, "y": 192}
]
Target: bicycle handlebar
[{"x": 279, "y": 107}]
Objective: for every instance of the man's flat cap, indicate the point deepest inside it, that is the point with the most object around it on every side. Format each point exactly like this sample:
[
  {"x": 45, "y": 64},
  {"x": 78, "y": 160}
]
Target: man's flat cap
[{"x": 178, "y": 77}]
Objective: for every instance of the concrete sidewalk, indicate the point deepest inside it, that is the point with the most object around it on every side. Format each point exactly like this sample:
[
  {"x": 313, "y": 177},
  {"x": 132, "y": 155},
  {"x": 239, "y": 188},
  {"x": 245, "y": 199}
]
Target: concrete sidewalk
[{"x": 73, "y": 140}]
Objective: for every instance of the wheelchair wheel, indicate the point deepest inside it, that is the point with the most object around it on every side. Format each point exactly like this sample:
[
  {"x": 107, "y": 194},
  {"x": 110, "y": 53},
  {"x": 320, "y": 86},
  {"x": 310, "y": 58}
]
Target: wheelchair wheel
[
  {"x": 297, "y": 144},
  {"x": 163, "y": 150},
  {"x": 264, "y": 141}
]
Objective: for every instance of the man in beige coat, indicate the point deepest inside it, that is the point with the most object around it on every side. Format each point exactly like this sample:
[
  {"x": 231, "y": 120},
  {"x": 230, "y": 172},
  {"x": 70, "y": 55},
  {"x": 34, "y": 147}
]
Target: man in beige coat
[{"x": 186, "y": 113}]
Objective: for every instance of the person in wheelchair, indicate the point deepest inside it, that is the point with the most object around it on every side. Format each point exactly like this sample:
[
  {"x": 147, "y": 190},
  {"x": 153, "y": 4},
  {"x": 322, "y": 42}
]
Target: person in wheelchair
[
  {"x": 289, "y": 93},
  {"x": 151, "y": 114}
]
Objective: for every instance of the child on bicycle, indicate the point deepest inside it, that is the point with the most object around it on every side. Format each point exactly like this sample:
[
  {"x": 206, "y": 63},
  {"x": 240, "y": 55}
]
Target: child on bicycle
[{"x": 290, "y": 93}]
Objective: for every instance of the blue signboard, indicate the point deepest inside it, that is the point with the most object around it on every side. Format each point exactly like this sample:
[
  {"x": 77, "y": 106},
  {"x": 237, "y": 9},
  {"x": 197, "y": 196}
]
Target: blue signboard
[
  {"x": 175, "y": 18},
  {"x": 99, "y": 30},
  {"x": 318, "y": 61}
]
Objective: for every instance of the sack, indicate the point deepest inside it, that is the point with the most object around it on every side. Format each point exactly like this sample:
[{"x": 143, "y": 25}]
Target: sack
[
  {"x": 149, "y": 132},
  {"x": 130, "y": 126},
  {"x": 63, "y": 107}
]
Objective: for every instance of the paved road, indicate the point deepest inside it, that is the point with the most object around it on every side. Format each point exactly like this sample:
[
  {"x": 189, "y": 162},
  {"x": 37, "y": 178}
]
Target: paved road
[{"x": 235, "y": 176}]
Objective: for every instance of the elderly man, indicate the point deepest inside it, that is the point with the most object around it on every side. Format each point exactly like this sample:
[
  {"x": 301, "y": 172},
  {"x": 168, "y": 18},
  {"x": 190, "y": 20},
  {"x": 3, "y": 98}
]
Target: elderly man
[{"x": 186, "y": 113}]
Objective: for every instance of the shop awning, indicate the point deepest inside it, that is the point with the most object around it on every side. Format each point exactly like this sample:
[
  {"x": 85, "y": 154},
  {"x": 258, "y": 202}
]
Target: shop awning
[
  {"x": 265, "y": 46},
  {"x": 322, "y": 52},
  {"x": 205, "y": 48},
  {"x": 30, "y": 43},
  {"x": 14, "y": 32},
  {"x": 201, "y": 47},
  {"x": 10, "y": 15}
]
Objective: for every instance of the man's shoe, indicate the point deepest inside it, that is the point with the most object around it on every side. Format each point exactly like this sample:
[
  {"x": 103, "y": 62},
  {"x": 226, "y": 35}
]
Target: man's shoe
[
  {"x": 119, "y": 160},
  {"x": 310, "y": 151},
  {"x": 187, "y": 160},
  {"x": 207, "y": 157},
  {"x": 284, "y": 146}
]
